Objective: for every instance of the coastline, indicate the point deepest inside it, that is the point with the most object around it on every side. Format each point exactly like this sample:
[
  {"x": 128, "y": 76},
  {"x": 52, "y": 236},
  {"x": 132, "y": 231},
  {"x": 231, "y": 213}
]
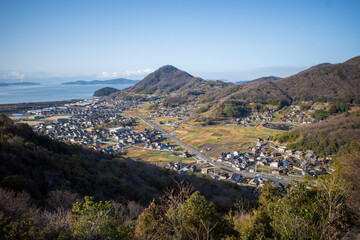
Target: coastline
[{"x": 21, "y": 107}]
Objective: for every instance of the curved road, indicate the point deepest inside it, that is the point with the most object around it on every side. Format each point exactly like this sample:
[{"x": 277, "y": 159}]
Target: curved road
[{"x": 200, "y": 156}]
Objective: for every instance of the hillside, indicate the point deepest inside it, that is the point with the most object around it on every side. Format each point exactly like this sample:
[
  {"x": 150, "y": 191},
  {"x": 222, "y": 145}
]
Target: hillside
[
  {"x": 327, "y": 83},
  {"x": 106, "y": 91},
  {"x": 165, "y": 80},
  {"x": 333, "y": 135},
  {"x": 324, "y": 82},
  {"x": 175, "y": 85},
  {"x": 39, "y": 165},
  {"x": 316, "y": 66}
]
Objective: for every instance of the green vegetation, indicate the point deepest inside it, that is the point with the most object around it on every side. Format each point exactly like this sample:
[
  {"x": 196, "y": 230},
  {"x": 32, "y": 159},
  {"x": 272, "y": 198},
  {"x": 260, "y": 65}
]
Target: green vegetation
[
  {"x": 181, "y": 217},
  {"x": 147, "y": 204},
  {"x": 333, "y": 108},
  {"x": 320, "y": 114},
  {"x": 96, "y": 220},
  {"x": 235, "y": 109},
  {"x": 203, "y": 109},
  {"x": 336, "y": 134},
  {"x": 154, "y": 106},
  {"x": 105, "y": 91}
]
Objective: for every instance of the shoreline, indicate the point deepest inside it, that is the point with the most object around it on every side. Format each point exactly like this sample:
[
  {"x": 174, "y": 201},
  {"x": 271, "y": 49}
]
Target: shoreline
[{"x": 8, "y": 108}]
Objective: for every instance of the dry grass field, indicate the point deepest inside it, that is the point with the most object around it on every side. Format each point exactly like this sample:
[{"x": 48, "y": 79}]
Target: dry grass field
[
  {"x": 156, "y": 156},
  {"x": 221, "y": 138}
]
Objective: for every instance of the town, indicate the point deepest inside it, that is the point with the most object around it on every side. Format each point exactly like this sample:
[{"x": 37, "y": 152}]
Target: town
[{"x": 104, "y": 127}]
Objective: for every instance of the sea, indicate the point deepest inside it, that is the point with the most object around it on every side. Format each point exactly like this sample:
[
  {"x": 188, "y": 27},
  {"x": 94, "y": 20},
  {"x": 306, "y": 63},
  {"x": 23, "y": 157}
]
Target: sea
[{"x": 50, "y": 92}]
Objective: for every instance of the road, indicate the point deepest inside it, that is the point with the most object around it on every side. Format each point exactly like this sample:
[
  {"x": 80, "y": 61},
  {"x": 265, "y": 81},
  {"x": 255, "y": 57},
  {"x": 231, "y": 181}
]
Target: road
[{"x": 200, "y": 156}]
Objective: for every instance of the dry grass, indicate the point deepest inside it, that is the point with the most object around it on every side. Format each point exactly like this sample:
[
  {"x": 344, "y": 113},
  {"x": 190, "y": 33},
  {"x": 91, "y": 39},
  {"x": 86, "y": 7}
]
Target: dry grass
[
  {"x": 156, "y": 156},
  {"x": 223, "y": 138},
  {"x": 31, "y": 123},
  {"x": 53, "y": 118}
]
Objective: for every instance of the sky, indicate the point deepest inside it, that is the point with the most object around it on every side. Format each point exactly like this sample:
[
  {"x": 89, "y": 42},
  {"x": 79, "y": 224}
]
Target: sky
[{"x": 234, "y": 40}]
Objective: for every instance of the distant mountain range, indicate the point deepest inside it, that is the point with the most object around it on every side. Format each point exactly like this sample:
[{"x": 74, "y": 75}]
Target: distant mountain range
[
  {"x": 18, "y": 84},
  {"x": 111, "y": 81},
  {"x": 323, "y": 82}
]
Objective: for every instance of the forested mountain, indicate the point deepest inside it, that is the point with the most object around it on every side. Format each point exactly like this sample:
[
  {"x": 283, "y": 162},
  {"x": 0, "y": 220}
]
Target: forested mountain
[{"x": 329, "y": 82}]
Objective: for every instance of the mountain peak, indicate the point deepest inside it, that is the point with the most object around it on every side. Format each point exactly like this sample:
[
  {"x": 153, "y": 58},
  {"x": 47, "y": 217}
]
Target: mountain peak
[
  {"x": 166, "y": 79},
  {"x": 169, "y": 69}
]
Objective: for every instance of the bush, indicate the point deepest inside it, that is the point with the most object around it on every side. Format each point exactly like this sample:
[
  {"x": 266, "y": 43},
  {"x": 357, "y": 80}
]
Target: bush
[{"x": 20, "y": 184}]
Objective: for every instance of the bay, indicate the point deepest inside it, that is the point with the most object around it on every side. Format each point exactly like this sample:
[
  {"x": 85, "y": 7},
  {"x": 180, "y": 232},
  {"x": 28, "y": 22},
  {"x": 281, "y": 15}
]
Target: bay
[{"x": 51, "y": 92}]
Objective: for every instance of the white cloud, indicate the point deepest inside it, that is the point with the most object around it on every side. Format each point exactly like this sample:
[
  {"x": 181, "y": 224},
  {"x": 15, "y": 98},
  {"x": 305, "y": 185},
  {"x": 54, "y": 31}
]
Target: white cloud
[
  {"x": 109, "y": 75},
  {"x": 138, "y": 72},
  {"x": 14, "y": 75}
]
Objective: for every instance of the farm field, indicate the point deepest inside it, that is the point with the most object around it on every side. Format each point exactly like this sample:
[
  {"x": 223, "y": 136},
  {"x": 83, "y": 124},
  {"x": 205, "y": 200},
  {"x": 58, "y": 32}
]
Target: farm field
[
  {"x": 157, "y": 157},
  {"x": 32, "y": 121},
  {"x": 141, "y": 111},
  {"x": 224, "y": 138}
]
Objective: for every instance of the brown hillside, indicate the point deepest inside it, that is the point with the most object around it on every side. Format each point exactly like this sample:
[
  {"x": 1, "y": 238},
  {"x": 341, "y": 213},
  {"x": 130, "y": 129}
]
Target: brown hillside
[
  {"x": 326, "y": 82},
  {"x": 166, "y": 79},
  {"x": 327, "y": 137}
]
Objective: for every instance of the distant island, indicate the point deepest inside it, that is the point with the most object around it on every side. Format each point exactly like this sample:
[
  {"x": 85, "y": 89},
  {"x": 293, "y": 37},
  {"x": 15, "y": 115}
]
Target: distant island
[
  {"x": 111, "y": 81},
  {"x": 18, "y": 83}
]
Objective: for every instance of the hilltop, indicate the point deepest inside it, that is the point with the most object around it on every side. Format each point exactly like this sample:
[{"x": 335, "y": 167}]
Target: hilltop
[
  {"x": 106, "y": 91},
  {"x": 172, "y": 83},
  {"x": 165, "y": 80},
  {"x": 316, "y": 66},
  {"x": 324, "y": 83}
]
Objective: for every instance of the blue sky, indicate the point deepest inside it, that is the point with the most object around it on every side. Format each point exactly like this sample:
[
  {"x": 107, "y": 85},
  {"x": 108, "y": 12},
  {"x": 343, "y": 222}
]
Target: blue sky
[{"x": 227, "y": 39}]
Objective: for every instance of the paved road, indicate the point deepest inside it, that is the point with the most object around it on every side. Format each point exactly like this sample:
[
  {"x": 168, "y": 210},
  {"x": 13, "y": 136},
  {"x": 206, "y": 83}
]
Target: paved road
[{"x": 200, "y": 156}]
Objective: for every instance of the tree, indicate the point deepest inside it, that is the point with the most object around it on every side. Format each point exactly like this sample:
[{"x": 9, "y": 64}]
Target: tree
[
  {"x": 96, "y": 220},
  {"x": 258, "y": 226},
  {"x": 151, "y": 223},
  {"x": 201, "y": 221}
]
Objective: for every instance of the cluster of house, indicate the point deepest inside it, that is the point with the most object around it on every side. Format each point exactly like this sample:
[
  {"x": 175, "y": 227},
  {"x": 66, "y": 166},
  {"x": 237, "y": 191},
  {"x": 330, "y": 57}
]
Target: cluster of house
[
  {"x": 85, "y": 118},
  {"x": 278, "y": 159},
  {"x": 180, "y": 167},
  {"x": 293, "y": 115},
  {"x": 296, "y": 116},
  {"x": 178, "y": 112},
  {"x": 266, "y": 116},
  {"x": 305, "y": 163}
]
